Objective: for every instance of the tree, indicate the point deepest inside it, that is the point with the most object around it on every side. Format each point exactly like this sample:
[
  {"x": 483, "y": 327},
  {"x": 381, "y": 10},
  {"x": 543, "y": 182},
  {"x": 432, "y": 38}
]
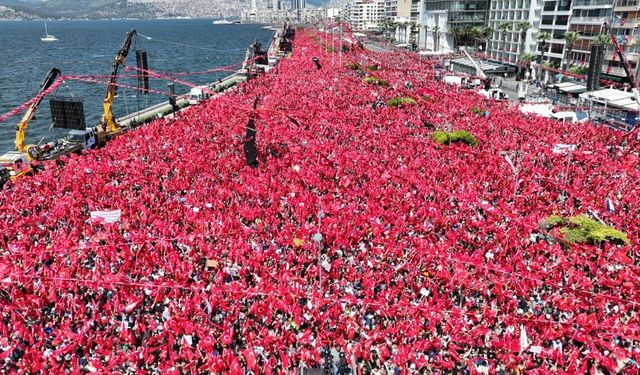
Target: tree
[
  {"x": 570, "y": 39},
  {"x": 436, "y": 38},
  {"x": 504, "y": 27},
  {"x": 523, "y": 27},
  {"x": 404, "y": 26},
  {"x": 467, "y": 34},
  {"x": 525, "y": 62},
  {"x": 601, "y": 40},
  {"x": 385, "y": 25},
  {"x": 486, "y": 34},
  {"x": 426, "y": 29},
  {"x": 478, "y": 37},
  {"x": 543, "y": 38},
  {"x": 456, "y": 32},
  {"x": 415, "y": 31}
]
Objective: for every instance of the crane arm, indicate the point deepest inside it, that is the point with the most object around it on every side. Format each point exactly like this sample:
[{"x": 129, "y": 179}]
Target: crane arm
[
  {"x": 479, "y": 71},
  {"x": 22, "y": 126},
  {"x": 625, "y": 63},
  {"x": 620, "y": 52},
  {"x": 108, "y": 121}
]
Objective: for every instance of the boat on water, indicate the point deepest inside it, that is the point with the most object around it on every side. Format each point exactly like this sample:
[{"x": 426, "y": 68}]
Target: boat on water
[
  {"x": 222, "y": 22},
  {"x": 47, "y": 37}
]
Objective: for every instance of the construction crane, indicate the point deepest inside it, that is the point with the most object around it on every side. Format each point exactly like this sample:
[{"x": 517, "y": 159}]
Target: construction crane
[
  {"x": 32, "y": 151},
  {"x": 479, "y": 71},
  {"x": 625, "y": 63},
  {"x": 108, "y": 122},
  {"x": 486, "y": 81}
]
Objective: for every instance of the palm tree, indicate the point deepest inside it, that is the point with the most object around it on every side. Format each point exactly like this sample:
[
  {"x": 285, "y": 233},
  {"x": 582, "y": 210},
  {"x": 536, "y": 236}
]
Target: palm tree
[
  {"x": 486, "y": 34},
  {"x": 436, "y": 38},
  {"x": 570, "y": 39},
  {"x": 478, "y": 37},
  {"x": 523, "y": 27},
  {"x": 467, "y": 34},
  {"x": 504, "y": 27},
  {"x": 426, "y": 29},
  {"x": 601, "y": 40},
  {"x": 525, "y": 62},
  {"x": 543, "y": 37},
  {"x": 456, "y": 32},
  {"x": 394, "y": 26},
  {"x": 405, "y": 27},
  {"x": 415, "y": 31}
]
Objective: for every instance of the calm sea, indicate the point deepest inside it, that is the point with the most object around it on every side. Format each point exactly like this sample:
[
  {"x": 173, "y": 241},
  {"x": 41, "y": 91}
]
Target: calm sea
[{"x": 88, "y": 48}]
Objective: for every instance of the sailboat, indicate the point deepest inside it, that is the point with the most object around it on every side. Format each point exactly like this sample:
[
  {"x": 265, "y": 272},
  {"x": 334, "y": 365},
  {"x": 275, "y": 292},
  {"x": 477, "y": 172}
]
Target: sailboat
[{"x": 47, "y": 37}]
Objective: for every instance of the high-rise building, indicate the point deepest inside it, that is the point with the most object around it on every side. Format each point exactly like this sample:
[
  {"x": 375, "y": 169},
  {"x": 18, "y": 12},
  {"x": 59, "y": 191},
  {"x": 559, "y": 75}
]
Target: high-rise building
[
  {"x": 459, "y": 14},
  {"x": 275, "y": 4},
  {"x": 298, "y": 4},
  {"x": 627, "y": 28},
  {"x": 406, "y": 14},
  {"x": 554, "y": 20},
  {"x": 390, "y": 9},
  {"x": 508, "y": 44},
  {"x": 365, "y": 14}
]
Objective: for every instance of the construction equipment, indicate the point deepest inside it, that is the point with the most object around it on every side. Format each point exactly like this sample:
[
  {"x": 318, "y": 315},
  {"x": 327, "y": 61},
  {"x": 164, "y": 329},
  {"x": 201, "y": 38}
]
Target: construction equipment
[
  {"x": 32, "y": 151},
  {"x": 625, "y": 63},
  {"x": 486, "y": 90},
  {"x": 108, "y": 123},
  {"x": 479, "y": 71}
]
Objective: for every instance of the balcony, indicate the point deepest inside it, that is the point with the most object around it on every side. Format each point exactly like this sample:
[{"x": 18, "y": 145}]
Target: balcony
[
  {"x": 588, "y": 20},
  {"x": 631, "y": 57},
  {"x": 586, "y": 3},
  {"x": 627, "y": 5},
  {"x": 629, "y": 23}
]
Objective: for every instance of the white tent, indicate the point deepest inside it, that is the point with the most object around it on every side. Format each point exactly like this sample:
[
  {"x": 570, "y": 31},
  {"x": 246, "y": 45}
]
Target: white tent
[{"x": 612, "y": 98}]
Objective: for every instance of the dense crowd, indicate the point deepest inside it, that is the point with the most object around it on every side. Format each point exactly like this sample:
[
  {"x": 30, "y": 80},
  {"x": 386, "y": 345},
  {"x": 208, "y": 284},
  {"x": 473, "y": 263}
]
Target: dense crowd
[{"x": 355, "y": 233}]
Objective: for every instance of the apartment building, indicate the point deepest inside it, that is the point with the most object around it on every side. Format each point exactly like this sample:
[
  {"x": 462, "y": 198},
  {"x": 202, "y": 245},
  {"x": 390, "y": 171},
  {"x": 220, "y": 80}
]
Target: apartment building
[
  {"x": 365, "y": 14},
  {"x": 508, "y": 45},
  {"x": 626, "y": 27},
  {"x": 461, "y": 13},
  {"x": 298, "y": 4},
  {"x": 587, "y": 18}
]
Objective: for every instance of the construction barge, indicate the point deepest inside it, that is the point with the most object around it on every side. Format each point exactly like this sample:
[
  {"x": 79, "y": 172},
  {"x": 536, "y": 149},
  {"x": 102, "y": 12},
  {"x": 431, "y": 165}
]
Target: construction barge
[{"x": 28, "y": 159}]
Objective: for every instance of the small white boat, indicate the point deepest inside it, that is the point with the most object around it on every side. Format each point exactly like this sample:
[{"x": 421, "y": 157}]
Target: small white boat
[
  {"x": 222, "y": 22},
  {"x": 47, "y": 37}
]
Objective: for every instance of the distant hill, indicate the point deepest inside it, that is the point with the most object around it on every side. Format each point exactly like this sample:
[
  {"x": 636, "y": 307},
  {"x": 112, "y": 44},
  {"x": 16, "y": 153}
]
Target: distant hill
[
  {"x": 92, "y": 9},
  {"x": 101, "y": 9},
  {"x": 7, "y": 13}
]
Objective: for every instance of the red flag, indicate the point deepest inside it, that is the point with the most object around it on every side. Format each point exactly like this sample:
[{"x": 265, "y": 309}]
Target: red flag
[{"x": 250, "y": 358}]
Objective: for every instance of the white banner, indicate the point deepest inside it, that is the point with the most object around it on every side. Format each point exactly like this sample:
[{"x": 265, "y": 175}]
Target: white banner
[{"x": 106, "y": 216}]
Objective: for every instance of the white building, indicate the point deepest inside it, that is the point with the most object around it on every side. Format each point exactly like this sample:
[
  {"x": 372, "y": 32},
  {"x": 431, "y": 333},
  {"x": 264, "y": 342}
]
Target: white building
[
  {"x": 436, "y": 35},
  {"x": 365, "y": 14},
  {"x": 509, "y": 45},
  {"x": 298, "y": 4}
]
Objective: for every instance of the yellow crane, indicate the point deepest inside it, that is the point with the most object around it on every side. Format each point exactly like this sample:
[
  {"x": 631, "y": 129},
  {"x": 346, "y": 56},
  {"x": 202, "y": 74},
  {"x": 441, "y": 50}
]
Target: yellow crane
[
  {"x": 108, "y": 123},
  {"x": 32, "y": 151}
]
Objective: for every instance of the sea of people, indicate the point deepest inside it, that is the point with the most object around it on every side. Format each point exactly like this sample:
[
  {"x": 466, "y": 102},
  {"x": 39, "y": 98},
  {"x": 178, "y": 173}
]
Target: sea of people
[{"x": 355, "y": 233}]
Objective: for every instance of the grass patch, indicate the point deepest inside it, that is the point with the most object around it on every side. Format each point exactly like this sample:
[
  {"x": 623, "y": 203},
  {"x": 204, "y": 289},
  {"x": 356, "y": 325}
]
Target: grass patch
[
  {"x": 373, "y": 68},
  {"x": 375, "y": 81},
  {"x": 582, "y": 229},
  {"x": 353, "y": 66},
  {"x": 477, "y": 111},
  {"x": 458, "y": 136},
  {"x": 400, "y": 101}
]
